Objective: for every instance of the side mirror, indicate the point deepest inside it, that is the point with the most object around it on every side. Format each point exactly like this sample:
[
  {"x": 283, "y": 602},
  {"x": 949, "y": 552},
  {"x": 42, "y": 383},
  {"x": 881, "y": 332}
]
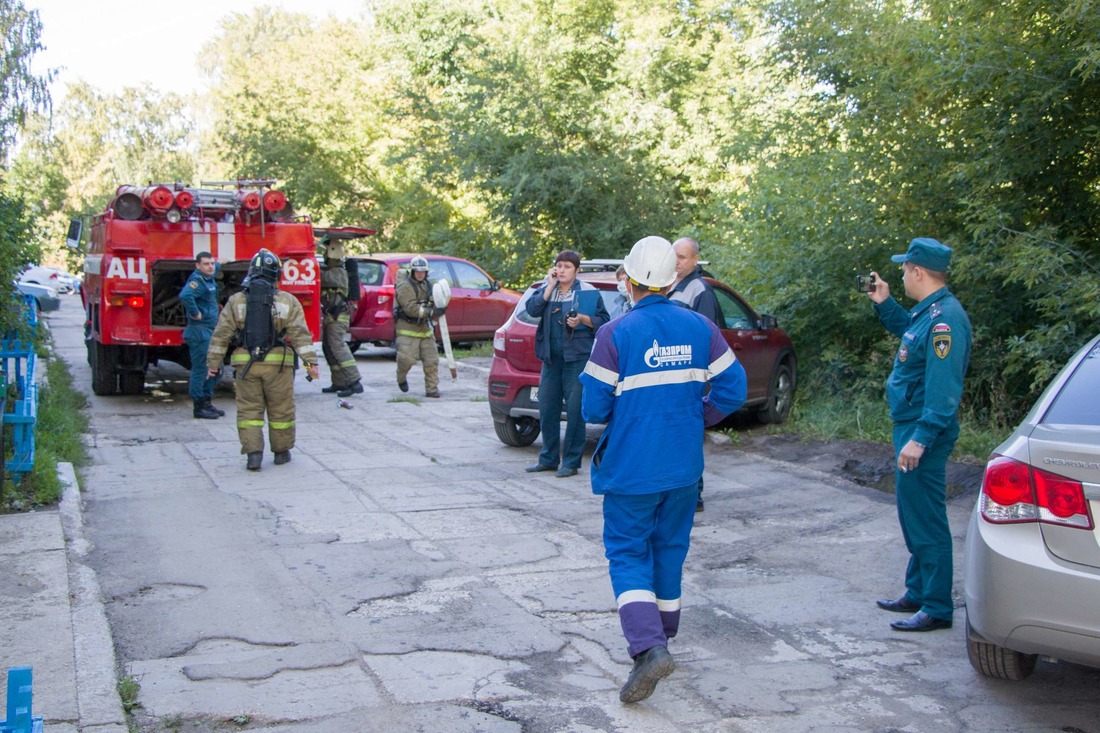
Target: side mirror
[
  {"x": 494, "y": 285},
  {"x": 767, "y": 322},
  {"x": 72, "y": 238}
]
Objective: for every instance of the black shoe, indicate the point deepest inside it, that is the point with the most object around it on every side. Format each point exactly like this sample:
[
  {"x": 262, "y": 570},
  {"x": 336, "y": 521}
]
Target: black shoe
[
  {"x": 921, "y": 621},
  {"x": 355, "y": 387},
  {"x": 202, "y": 411},
  {"x": 698, "y": 505},
  {"x": 330, "y": 389},
  {"x": 403, "y": 386},
  {"x": 282, "y": 457},
  {"x": 254, "y": 461},
  {"x": 901, "y": 605},
  {"x": 433, "y": 394},
  {"x": 565, "y": 472},
  {"x": 539, "y": 467},
  {"x": 210, "y": 406},
  {"x": 650, "y": 667}
]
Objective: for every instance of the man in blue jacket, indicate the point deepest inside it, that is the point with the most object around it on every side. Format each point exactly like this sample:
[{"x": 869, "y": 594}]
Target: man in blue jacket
[
  {"x": 200, "y": 302},
  {"x": 647, "y": 379},
  {"x": 924, "y": 390}
]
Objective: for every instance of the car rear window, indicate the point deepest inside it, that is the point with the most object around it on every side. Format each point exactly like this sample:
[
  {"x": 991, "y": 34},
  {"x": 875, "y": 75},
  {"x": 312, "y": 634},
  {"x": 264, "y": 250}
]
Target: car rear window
[
  {"x": 371, "y": 272},
  {"x": 1076, "y": 403}
]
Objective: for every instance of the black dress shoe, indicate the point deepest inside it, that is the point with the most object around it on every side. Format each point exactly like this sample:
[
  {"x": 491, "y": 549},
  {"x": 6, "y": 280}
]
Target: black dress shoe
[
  {"x": 901, "y": 605},
  {"x": 650, "y": 667},
  {"x": 539, "y": 467},
  {"x": 921, "y": 621},
  {"x": 564, "y": 472},
  {"x": 282, "y": 457},
  {"x": 253, "y": 461}
]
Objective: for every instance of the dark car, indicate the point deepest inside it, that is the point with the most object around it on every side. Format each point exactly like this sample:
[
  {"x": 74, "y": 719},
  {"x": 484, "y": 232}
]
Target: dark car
[
  {"x": 764, "y": 349},
  {"x": 1032, "y": 557},
  {"x": 479, "y": 305}
]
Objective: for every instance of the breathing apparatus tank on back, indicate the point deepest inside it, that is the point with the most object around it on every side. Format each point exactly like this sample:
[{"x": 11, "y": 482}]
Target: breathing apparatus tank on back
[{"x": 259, "y": 321}]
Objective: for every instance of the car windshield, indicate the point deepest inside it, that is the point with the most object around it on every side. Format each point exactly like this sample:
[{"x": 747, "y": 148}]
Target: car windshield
[
  {"x": 1076, "y": 403},
  {"x": 524, "y": 317}
]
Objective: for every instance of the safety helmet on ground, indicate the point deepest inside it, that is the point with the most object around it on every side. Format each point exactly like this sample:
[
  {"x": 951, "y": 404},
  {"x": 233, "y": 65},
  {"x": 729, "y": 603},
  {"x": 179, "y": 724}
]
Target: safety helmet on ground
[
  {"x": 651, "y": 263},
  {"x": 418, "y": 264},
  {"x": 265, "y": 265}
]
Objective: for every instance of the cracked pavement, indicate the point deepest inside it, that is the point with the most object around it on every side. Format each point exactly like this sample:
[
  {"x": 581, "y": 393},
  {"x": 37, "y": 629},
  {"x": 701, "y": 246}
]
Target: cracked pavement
[{"x": 402, "y": 573}]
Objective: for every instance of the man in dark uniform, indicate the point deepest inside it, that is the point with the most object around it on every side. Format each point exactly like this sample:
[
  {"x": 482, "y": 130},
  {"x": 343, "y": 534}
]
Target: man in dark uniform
[
  {"x": 200, "y": 302},
  {"x": 692, "y": 290},
  {"x": 924, "y": 390},
  {"x": 265, "y": 382},
  {"x": 335, "y": 290}
]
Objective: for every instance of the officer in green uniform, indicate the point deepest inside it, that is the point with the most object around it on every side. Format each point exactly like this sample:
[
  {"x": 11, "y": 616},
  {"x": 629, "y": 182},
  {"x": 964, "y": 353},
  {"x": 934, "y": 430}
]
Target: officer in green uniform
[
  {"x": 346, "y": 380},
  {"x": 924, "y": 390},
  {"x": 266, "y": 384}
]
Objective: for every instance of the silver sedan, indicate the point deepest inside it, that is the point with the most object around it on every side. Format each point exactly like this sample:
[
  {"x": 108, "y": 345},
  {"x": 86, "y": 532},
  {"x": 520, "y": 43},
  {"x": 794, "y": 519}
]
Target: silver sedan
[{"x": 1032, "y": 555}]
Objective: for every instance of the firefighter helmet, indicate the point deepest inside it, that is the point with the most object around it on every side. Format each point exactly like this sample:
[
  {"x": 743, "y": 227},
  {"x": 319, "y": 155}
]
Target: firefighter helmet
[
  {"x": 651, "y": 263},
  {"x": 265, "y": 265},
  {"x": 418, "y": 264}
]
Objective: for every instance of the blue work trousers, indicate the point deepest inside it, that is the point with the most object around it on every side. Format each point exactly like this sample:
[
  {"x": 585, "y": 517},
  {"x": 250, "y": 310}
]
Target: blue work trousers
[
  {"x": 200, "y": 387},
  {"x": 922, "y": 513},
  {"x": 646, "y": 539},
  {"x": 560, "y": 383}
]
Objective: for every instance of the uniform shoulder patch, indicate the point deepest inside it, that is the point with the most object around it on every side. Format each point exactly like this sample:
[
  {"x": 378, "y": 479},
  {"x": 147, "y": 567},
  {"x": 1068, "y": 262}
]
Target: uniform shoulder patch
[
  {"x": 941, "y": 344},
  {"x": 941, "y": 328},
  {"x": 194, "y": 285}
]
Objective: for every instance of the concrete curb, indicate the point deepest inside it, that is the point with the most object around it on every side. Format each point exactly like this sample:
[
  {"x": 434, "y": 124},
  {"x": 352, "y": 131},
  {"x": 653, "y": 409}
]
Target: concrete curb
[{"x": 100, "y": 709}]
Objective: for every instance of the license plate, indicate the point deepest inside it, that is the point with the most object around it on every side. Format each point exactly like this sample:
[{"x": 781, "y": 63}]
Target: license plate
[{"x": 534, "y": 394}]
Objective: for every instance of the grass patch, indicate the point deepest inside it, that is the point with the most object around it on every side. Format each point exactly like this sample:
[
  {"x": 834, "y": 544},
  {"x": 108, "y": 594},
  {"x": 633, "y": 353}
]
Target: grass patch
[
  {"x": 833, "y": 418},
  {"x": 59, "y": 432},
  {"x": 128, "y": 689},
  {"x": 481, "y": 348},
  {"x": 412, "y": 400}
]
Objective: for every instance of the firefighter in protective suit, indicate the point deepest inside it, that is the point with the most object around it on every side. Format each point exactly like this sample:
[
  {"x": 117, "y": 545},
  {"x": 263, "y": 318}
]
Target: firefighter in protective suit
[
  {"x": 335, "y": 291},
  {"x": 414, "y": 329},
  {"x": 266, "y": 327}
]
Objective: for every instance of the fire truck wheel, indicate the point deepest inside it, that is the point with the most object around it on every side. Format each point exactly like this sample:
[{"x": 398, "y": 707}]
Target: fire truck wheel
[
  {"x": 104, "y": 379},
  {"x": 131, "y": 383}
]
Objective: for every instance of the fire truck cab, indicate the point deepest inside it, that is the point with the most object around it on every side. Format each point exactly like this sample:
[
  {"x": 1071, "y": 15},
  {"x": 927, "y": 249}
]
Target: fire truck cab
[{"x": 142, "y": 249}]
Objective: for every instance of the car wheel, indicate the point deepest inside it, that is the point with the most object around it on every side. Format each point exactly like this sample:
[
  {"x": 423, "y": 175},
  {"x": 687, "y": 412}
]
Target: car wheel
[
  {"x": 517, "y": 432},
  {"x": 996, "y": 661},
  {"x": 353, "y": 346},
  {"x": 131, "y": 383},
  {"x": 780, "y": 396},
  {"x": 104, "y": 379}
]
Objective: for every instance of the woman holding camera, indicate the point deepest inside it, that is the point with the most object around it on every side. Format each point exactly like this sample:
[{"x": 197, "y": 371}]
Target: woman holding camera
[{"x": 570, "y": 313}]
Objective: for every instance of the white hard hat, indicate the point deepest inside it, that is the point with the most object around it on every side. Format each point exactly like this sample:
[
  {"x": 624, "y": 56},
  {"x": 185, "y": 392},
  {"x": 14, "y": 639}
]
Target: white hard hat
[
  {"x": 334, "y": 250},
  {"x": 652, "y": 263}
]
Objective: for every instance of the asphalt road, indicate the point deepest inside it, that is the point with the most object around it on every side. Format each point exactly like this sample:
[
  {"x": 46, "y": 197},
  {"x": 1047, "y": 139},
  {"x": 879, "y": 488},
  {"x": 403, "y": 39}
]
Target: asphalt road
[{"x": 403, "y": 573}]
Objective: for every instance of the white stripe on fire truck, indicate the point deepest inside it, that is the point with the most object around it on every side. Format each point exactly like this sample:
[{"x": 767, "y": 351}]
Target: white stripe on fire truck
[
  {"x": 227, "y": 242},
  {"x": 200, "y": 240}
]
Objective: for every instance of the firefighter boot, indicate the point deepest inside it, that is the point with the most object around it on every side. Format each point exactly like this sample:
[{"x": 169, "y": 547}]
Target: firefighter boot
[
  {"x": 253, "y": 461},
  {"x": 203, "y": 411},
  {"x": 355, "y": 387},
  {"x": 210, "y": 406}
]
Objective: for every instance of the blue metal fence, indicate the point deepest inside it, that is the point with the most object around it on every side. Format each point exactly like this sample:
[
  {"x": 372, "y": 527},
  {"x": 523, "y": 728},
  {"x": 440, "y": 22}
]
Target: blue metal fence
[{"x": 20, "y": 392}]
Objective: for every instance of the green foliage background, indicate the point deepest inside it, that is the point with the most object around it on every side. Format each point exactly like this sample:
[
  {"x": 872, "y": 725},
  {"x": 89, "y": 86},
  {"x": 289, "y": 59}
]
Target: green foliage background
[{"x": 801, "y": 142}]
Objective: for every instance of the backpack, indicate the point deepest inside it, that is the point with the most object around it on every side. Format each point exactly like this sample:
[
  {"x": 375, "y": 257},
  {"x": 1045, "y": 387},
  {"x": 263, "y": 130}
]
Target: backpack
[{"x": 259, "y": 320}]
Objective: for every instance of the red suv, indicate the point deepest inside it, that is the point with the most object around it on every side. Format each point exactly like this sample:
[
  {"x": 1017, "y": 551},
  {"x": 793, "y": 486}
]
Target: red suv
[
  {"x": 478, "y": 303},
  {"x": 764, "y": 349}
]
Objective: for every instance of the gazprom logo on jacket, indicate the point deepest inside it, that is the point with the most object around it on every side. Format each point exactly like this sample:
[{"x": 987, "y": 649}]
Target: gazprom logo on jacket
[{"x": 660, "y": 356}]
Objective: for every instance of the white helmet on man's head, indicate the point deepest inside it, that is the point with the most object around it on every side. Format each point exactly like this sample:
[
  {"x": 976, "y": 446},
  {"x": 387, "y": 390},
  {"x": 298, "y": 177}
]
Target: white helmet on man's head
[
  {"x": 651, "y": 263},
  {"x": 418, "y": 264}
]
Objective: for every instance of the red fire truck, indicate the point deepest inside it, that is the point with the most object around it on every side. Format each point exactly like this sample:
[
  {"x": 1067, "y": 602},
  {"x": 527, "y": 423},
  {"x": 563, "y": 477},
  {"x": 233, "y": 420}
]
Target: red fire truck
[{"x": 142, "y": 249}]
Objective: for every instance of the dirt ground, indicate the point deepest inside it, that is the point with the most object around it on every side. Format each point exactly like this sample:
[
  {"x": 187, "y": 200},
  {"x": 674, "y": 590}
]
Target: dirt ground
[{"x": 868, "y": 464}]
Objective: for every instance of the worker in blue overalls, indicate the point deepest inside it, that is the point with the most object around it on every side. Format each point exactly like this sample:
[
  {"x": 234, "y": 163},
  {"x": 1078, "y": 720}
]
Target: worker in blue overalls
[
  {"x": 924, "y": 390},
  {"x": 199, "y": 297}
]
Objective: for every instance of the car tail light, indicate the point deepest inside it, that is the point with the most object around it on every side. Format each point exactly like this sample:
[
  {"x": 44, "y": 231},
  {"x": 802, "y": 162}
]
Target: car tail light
[
  {"x": 499, "y": 341},
  {"x": 1014, "y": 492},
  {"x": 385, "y": 294},
  {"x": 53, "y": 275},
  {"x": 131, "y": 301}
]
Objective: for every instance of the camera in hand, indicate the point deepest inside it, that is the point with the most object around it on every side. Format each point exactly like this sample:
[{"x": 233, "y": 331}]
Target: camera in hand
[{"x": 866, "y": 283}]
